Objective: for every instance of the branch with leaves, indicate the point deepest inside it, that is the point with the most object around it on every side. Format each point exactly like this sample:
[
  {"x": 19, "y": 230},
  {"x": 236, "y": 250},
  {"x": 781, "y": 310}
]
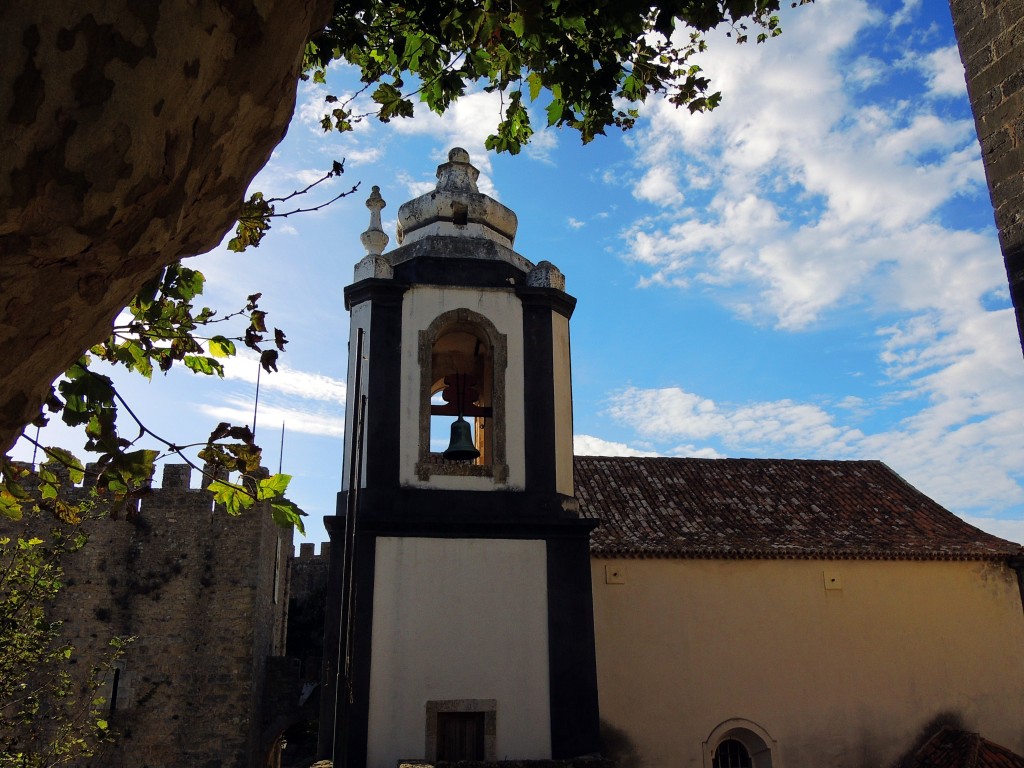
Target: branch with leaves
[
  {"x": 257, "y": 211},
  {"x": 160, "y": 328},
  {"x": 596, "y": 62}
]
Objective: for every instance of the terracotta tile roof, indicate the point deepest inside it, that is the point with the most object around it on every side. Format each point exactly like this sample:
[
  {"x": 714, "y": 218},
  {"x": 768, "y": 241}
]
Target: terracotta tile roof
[
  {"x": 950, "y": 748},
  {"x": 769, "y": 508}
]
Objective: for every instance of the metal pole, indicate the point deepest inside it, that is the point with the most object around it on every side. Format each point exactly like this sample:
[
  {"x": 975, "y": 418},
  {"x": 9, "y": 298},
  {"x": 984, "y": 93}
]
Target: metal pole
[
  {"x": 256, "y": 402},
  {"x": 344, "y": 618},
  {"x": 280, "y": 455}
]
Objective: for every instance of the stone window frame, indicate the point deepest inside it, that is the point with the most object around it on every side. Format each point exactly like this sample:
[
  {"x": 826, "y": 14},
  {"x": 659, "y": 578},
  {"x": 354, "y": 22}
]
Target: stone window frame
[
  {"x": 488, "y": 706},
  {"x": 467, "y": 321},
  {"x": 762, "y": 748}
]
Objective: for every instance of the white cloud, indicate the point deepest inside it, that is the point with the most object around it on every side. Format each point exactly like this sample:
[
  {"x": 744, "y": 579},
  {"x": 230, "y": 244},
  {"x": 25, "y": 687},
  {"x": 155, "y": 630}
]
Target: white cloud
[
  {"x": 1009, "y": 529},
  {"x": 905, "y": 13},
  {"x": 671, "y": 414},
  {"x": 944, "y": 72},
  {"x": 270, "y": 417},
  {"x": 575, "y": 223},
  {"x": 285, "y": 381},
  {"x": 467, "y": 123},
  {"x": 658, "y": 186},
  {"x": 416, "y": 187},
  {"x": 356, "y": 155},
  {"x": 587, "y": 445},
  {"x": 543, "y": 143},
  {"x": 866, "y": 71},
  {"x": 817, "y": 201},
  {"x": 962, "y": 447},
  {"x": 820, "y": 203}
]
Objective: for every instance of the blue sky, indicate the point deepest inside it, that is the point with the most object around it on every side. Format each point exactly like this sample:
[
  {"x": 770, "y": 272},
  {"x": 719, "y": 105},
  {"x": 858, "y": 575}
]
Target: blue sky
[{"x": 811, "y": 271}]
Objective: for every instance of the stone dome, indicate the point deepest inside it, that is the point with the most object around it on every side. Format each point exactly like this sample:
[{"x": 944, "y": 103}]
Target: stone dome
[{"x": 456, "y": 208}]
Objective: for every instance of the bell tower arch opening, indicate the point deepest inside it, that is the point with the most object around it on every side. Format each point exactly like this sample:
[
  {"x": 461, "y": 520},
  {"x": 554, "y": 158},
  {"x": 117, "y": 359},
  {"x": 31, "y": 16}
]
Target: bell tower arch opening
[{"x": 463, "y": 360}]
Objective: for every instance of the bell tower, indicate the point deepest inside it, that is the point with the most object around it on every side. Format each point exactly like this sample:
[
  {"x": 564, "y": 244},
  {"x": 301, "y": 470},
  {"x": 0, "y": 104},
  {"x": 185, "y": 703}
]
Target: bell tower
[{"x": 461, "y": 607}]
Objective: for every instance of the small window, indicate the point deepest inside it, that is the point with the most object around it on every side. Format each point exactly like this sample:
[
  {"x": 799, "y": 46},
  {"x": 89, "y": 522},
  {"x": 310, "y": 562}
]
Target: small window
[
  {"x": 460, "y": 736},
  {"x": 461, "y": 729},
  {"x": 732, "y": 754}
]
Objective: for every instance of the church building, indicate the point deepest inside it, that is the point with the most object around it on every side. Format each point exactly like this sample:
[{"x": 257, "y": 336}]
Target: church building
[{"x": 489, "y": 592}]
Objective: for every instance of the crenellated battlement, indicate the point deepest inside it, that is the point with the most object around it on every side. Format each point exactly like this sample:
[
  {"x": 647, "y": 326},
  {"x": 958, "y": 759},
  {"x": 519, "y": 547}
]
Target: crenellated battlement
[
  {"x": 173, "y": 476},
  {"x": 307, "y": 551}
]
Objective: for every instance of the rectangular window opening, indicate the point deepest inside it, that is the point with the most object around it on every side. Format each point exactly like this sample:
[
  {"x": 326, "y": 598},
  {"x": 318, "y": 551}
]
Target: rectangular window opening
[{"x": 460, "y": 736}]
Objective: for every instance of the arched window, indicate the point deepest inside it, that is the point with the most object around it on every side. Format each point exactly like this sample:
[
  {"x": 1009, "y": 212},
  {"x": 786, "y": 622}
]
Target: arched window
[
  {"x": 731, "y": 754},
  {"x": 462, "y": 376},
  {"x": 740, "y": 743}
]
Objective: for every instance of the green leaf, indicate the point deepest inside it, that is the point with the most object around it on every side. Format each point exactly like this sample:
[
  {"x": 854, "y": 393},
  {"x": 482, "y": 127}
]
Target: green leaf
[
  {"x": 535, "y": 82},
  {"x": 233, "y": 498},
  {"x": 285, "y": 514},
  {"x": 221, "y": 347},
  {"x": 205, "y": 365},
  {"x": 555, "y": 111},
  {"x": 516, "y": 23},
  {"x": 272, "y": 487},
  {"x": 75, "y": 467},
  {"x": 10, "y": 507},
  {"x": 136, "y": 467}
]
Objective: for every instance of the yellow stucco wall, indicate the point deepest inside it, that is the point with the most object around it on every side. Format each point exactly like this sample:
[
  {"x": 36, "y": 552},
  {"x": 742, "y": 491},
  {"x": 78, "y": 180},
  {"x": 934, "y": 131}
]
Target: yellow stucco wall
[{"x": 846, "y": 676}]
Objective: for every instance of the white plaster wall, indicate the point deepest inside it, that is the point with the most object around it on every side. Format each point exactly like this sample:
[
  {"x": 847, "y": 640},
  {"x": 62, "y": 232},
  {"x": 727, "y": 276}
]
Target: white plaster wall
[
  {"x": 563, "y": 403},
  {"x": 358, "y": 318},
  {"x": 421, "y": 306},
  {"x": 459, "y": 619}
]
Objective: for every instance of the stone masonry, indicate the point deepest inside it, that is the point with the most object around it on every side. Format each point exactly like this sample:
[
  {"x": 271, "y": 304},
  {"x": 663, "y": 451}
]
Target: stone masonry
[
  {"x": 990, "y": 34},
  {"x": 205, "y": 596}
]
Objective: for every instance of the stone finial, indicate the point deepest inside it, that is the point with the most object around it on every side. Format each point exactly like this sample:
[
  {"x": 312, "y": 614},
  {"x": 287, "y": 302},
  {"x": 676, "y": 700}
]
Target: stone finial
[
  {"x": 457, "y": 175},
  {"x": 546, "y": 275},
  {"x": 374, "y": 239}
]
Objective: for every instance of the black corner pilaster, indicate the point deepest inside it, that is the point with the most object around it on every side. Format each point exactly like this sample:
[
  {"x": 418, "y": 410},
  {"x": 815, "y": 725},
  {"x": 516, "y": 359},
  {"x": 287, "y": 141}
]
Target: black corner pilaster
[
  {"x": 384, "y": 354},
  {"x": 571, "y": 653}
]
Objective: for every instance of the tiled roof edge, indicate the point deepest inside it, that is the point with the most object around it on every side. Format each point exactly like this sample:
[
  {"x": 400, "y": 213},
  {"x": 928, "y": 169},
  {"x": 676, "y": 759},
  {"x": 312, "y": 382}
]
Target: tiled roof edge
[{"x": 802, "y": 555}]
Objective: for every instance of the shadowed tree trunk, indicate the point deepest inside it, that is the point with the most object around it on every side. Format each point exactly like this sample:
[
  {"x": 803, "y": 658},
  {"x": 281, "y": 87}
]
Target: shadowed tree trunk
[{"x": 131, "y": 132}]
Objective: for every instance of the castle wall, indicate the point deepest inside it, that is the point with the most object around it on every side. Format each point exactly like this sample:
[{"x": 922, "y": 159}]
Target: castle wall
[
  {"x": 307, "y": 595},
  {"x": 204, "y": 595}
]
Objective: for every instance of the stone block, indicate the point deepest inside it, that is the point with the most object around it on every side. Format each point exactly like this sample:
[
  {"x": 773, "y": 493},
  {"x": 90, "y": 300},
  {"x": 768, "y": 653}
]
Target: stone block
[
  {"x": 176, "y": 476},
  {"x": 546, "y": 275}
]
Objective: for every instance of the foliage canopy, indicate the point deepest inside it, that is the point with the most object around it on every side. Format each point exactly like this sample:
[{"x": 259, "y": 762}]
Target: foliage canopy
[{"x": 596, "y": 60}]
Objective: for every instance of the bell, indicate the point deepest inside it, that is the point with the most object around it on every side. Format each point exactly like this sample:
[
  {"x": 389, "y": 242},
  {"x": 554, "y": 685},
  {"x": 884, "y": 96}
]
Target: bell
[{"x": 460, "y": 447}]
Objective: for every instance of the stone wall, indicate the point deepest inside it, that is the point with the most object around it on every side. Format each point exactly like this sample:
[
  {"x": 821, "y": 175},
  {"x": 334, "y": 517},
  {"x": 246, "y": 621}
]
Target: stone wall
[
  {"x": 307, "y": 592},
  {"x": 204, "y": 594},
  {"x": 990, "y": 34}
]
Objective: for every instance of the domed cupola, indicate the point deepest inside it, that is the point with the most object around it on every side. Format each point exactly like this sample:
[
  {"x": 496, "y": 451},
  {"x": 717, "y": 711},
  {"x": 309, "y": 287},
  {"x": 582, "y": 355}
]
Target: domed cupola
[{"x": 456, "y": 208}]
